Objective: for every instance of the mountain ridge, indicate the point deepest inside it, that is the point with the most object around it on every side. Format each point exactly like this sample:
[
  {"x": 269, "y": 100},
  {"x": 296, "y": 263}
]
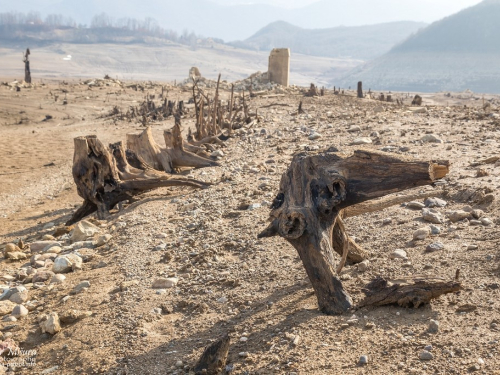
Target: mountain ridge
[
  {"x": 454, "y": 54},
  {"x": 359, "y": 42}
]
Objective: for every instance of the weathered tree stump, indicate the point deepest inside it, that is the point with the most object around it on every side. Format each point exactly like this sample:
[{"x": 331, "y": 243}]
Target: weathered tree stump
[
  {"x": 27, "y": 71},
  {"x": 313, "y": 91},
  {"x": 214, "y": 358},
  {"x": 360, "y": 90},
  {"x": 104, "y": 179},
  {"x": 411, "y": 292},
  {"x": 179, "y": 154},
  {"x": 307, "y": 211},
  {"x": 417, "y": 100},
  {"x": 145, "y": 147},
  {"x": 166, "y": 159}
]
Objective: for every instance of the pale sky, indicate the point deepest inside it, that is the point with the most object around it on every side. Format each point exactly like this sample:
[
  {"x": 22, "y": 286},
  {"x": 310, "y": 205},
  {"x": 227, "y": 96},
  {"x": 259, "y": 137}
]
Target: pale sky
[{"x": 453, "y": 4}]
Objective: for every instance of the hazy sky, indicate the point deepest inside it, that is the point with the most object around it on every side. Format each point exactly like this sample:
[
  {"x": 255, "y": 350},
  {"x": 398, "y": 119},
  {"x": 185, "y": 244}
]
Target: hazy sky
[{"x": 454, "y": 4}]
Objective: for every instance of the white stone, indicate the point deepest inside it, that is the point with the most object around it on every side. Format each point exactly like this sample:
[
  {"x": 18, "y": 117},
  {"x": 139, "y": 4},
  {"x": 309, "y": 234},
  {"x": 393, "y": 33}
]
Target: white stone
[
  {"x": 421, "y": 233},
  {"x": 165, "y": 283},
  {"x": 431, "y": 138},
  {"x": 398, "y": 254},
  {"x": 361, "y": 141},
  {"x": 50, "y": 323},
  {"x": 19, "y": 311},
  {"x": 83, "y": 230}
]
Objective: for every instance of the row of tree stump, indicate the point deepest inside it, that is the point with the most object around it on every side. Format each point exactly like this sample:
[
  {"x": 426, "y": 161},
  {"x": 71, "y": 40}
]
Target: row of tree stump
[{"x": 107, "y": 176}]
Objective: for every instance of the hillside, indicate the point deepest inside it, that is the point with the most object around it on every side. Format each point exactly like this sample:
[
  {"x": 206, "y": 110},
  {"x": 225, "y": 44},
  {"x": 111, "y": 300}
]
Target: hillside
[
  {"x": 160, "y": 60},
  {"x": 361, "y": 42},
  {"x": 457, "y": 53},
  {"x": 238, "y": 22}
]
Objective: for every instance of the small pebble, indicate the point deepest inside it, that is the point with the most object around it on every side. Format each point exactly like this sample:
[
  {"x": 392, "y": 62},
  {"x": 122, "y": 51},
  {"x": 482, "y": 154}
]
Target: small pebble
[
  {"x": 433, "y": 326},
  {"x": 425, "y": 355},
  {"x": 363, "y": 360}
]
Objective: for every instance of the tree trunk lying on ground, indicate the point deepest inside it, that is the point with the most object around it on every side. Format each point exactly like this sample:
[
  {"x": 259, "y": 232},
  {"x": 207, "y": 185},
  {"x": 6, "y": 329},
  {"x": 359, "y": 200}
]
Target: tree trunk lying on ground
[
  {"x": 411, "y": 292},
  {"x": 105, "y": 178},
  {"x": 307, "y": 211}
]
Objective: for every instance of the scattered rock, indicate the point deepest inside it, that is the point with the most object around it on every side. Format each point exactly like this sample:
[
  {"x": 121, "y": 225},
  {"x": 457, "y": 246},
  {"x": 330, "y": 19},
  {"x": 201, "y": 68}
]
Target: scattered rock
[
  {"x": 415, "y": 205},
  {"x": 73, "y": 316},
  {"x": 83, "y": 286},
  {"x": 11, "y": 248},
  {"x": 432, "y": 138},
  {"x": 433, "y": 326},
  {"x": 398, "y": 254},
  {"x": 436, "y": 246},
  {"x": 425, "y": 355},
  {"x": 421, "y": 234},
  {"x": 103, "y": 240},
  {"x": 165, "y": 283},
  {"x": 217, "y": 154},
  {"x": 459, "y": 215},
  {"x": 50, "y": 323},
  {"x": 363, "y": 266},
  {"x": 19, "y": 297},
  {"x": 432, "y": 217},
  {"x": 58, "y": 279},
  {"x": 363, "y": 360},
  {"x": 487, "y": 222},
  {"x": 435, "y": 202},
  {"x": 19, "y": 311},
  {"x": 314, "y": 136},
  {"x": 16, "y": 255},
  {"x": 39, "y": 246},
  {"x": 41, "y": 276},
  {"x": 435, "y": 230},
  {"x": 67, "y": 263},
  {"x": 83, "y": 230},
  {"x": 362, "y": 141}
]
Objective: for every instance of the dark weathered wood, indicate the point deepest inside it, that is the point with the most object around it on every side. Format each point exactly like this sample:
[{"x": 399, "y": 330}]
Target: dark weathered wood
[
  {"x": 360, "y": 90},
  {"x": 213, "y": 358},
  {"x": 313, "y": 91},
  {"x": 27, "y": 71},
  {"x": 307, "y": 211},
  {"x": 104, "y": 179},
  {"x": 417, "y": 100},
  {"x": 411, "y": 292}
]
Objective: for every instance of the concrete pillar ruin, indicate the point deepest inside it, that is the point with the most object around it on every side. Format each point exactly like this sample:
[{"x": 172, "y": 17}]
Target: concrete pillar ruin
[{"x": 279, "y": 66}]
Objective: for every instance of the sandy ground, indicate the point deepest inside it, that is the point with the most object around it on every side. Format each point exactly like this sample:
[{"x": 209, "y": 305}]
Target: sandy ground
[{"x": 230, "y": 282}]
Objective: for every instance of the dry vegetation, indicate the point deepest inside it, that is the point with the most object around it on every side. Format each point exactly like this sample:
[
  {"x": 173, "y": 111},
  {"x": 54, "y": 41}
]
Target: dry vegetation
[{"x": 181, "y": 267}]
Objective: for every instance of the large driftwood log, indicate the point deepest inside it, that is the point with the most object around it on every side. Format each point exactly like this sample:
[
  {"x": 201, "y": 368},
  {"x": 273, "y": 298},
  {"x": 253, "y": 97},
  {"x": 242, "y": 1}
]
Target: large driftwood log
[
  {"x": 214, "y": 358},
  {"x": 104, "y": 179},
  {"x": 411, "y": 292},
  {"x": 314, "y": 191}
]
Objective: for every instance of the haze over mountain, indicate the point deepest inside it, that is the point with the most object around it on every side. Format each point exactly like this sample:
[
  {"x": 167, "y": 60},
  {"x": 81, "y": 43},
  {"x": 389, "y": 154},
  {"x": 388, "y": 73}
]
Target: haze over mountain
[
  {"x": 457, "y": 53},
  {"x": 359, "y": 42},
  {"x": 238, "y": 22}
]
